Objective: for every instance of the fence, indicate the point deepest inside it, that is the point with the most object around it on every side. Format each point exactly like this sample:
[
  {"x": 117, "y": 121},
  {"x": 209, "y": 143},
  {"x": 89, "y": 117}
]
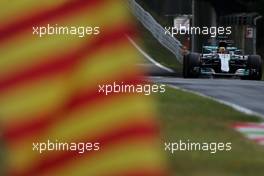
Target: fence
[{"x": 169, "y": 42}]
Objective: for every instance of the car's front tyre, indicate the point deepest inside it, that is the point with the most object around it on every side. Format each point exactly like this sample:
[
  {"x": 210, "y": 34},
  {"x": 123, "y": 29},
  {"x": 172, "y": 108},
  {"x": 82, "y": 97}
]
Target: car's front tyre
[
  {"x": 255, "y": 67},
  {"x": 191, "y": 65}
]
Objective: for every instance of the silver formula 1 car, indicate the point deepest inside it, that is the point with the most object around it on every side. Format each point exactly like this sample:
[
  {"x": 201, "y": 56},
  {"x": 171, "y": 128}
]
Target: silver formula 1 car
[{"x": 222, "y": 60}]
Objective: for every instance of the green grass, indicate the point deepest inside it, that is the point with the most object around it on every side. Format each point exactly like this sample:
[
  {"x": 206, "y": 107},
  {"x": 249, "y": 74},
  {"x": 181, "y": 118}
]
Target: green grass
[
  {"x": 153, "y": 48},
  {"x": 186, "y": 116}
]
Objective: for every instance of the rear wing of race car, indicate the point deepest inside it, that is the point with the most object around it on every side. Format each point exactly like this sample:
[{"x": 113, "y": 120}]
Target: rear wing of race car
[
  {"x": 213, "y": 49},
  {"x": 209, "y": 49},
  {"x": 235, "y": 50}
]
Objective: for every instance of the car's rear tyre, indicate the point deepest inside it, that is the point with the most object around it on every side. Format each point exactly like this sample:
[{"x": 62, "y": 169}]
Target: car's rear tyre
[
  {"x": 191, "y": 65},
  {"x": 255, "y": 67}
]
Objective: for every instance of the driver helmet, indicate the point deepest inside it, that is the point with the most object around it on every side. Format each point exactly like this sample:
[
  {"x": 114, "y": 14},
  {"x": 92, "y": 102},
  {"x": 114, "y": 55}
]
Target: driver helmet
[{"x": 222, "y": 49}]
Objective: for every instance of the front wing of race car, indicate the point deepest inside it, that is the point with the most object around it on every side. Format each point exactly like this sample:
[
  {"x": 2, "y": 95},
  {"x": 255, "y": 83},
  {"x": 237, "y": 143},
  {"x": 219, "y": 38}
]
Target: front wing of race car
[{"x": 211, "y": 72}]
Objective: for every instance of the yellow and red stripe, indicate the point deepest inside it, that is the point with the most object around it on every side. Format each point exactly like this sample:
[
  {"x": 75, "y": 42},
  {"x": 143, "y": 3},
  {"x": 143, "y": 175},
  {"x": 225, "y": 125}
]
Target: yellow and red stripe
[{"x": 49, "y": 90}]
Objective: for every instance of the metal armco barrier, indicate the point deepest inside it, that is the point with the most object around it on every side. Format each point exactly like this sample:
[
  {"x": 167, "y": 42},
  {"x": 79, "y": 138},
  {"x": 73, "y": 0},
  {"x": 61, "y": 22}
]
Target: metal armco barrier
[{"x": 169, "y": 42}]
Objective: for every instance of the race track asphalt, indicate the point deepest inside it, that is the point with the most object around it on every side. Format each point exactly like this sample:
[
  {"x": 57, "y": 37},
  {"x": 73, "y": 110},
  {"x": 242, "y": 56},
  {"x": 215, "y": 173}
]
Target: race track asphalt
[{"x": 242, "y": 93}]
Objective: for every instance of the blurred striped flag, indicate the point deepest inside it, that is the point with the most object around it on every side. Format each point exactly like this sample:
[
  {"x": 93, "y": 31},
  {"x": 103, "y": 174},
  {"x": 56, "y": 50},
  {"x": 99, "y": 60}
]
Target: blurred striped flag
[{"x": 49, "y": 91}]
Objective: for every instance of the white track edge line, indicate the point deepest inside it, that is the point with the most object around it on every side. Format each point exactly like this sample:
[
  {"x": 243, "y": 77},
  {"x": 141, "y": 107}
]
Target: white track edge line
[
  {"x": 148, "y": 57},
  {"x": 232, "y": 105}
]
